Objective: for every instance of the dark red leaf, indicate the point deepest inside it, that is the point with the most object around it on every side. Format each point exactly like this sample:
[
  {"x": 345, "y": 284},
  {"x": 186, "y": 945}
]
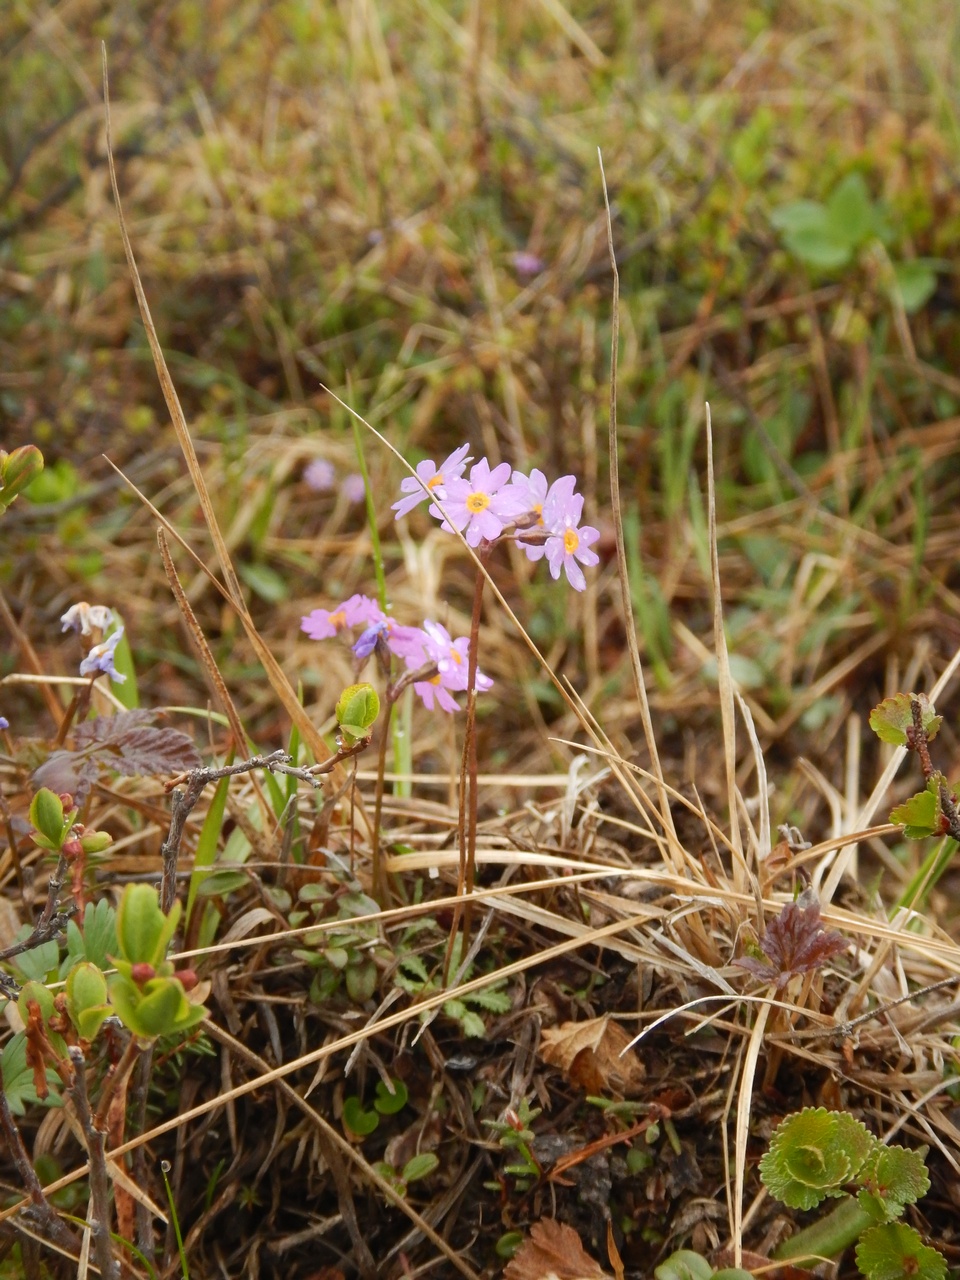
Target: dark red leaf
[{"x": 795, "y": 942}]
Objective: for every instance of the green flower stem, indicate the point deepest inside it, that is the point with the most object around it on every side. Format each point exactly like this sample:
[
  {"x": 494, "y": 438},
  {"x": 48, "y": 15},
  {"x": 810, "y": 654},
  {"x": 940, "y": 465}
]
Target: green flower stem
[{"x": 826, "y": 1237}]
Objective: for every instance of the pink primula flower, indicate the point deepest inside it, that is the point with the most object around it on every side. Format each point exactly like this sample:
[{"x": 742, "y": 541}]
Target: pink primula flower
[
  {"x": 569, "y": 541},
  {"x": 548, "y": 504},
  {"x": 434, "y": 478},
  {"x": 321, "y": 624},
  {"x": 481, "y": 506},
  {"x": 452, "y": 659}
]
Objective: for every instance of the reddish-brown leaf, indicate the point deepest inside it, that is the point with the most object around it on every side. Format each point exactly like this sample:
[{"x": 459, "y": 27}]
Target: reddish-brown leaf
[{"x": 795, "y": 942}]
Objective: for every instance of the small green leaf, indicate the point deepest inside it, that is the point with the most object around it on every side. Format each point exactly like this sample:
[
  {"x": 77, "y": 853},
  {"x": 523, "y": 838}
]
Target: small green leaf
[
  {"x": 892, "y": 1178},
  {"x": 684, "y": 1265},
  {"x": 357, "y": 710},
  {"x": 419, "y": 1166},
  {"x": 158, "y": 1007},
  {"x": 852, "y": 215},
  {"x": 894, "y": 1251},
  {"x": 17, "y": 470},
  {"x": 38, "y": 962},
  {"x": 920, "y": 815},
  {"x": 18, "y": 1079},
  {"x": 361, "y": 981},
  {"x": 96, "y": 941},
  {"x": 387, "y": 1103},
  {"x": 46, "y": 814},
  {"x": 143, "y": 931},
  {"x": 891, "y": 718},
  {"x": 491, "y": 999},
  {"x": 508, "y": 1244},
  {"x": 264, "y": 582},
  {"x": 87, "y": 1004},
  {"x": 915, "y": 281},
  {"x": 356, "y": 1121}
]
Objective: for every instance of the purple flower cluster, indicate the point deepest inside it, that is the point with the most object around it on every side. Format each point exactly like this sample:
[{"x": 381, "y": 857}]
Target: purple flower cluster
[
  {"x": 498, "y": 502},
  {"x": 428, "y": 646}
]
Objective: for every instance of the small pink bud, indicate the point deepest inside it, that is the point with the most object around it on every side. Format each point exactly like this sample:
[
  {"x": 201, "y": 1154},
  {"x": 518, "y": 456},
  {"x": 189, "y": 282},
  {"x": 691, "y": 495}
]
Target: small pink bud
[
  {"x": 142, "y": 972},
  {"x": 188, "y": 978}
]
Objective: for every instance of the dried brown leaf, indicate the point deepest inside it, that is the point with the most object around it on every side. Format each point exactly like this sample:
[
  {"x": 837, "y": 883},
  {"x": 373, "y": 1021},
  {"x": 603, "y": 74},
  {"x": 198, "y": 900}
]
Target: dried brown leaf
[
  {"x": 553, "y": 1252},
  {"x": 589, "y": 1054}
]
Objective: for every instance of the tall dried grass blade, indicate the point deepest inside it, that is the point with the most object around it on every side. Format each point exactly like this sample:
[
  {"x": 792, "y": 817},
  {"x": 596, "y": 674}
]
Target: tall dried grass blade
[
  {"x": 630, "y": 626},
  {"x": 724, "y": 678},
  {"x": 275, "y": 674},
  {"x": 744, "y": 1098}
]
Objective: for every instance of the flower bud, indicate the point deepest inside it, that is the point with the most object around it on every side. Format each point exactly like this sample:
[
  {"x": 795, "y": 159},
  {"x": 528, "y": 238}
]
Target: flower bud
[{"x": 96, "y": 841}]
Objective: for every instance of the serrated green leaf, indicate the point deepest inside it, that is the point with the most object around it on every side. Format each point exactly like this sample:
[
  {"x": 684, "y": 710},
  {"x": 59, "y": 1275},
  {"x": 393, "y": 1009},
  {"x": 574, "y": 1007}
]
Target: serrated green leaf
[
  {"x": 415, "y": 968},
  {"x": 895, "y": 1177},
  {"x": 920, "y": 815},
  {"x": 473, "y": 1026},
  {"x": 891, "y": 718},
  {"x": 491, "y": 999},
  {"x": 38, "y": 962},
  {"x": 98, "y": 939},
  {"x": 812, "y": 1154},
  {"x": 894, "y": 1251}
]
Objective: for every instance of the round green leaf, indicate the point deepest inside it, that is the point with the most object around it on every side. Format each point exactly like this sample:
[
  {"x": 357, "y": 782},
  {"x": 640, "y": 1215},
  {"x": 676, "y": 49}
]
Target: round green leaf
[
  {"x": 387, "y": 1103},
  {"x": 358, "y": 1122}
]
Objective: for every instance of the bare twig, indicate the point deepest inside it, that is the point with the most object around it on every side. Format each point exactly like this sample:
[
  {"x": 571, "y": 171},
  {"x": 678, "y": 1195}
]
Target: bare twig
[
  {"x": 40, "y": 1208},
  {"x": 99, "y": 1180}
]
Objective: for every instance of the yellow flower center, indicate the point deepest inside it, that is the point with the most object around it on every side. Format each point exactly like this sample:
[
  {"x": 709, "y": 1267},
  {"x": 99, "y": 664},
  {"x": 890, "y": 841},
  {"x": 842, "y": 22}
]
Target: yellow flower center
[
  {"x": 435, "y": 480},
  {"x": 571, "y": 540},
  {"x": 338, "y": 620},
  {"x": 478, "y": 502},
  {"x": 538, "y": 510}
]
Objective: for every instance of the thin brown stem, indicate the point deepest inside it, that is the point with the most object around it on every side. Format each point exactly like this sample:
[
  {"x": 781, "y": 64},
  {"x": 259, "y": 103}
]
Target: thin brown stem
[
  {"x": 99, "y": 1179},
  {"x": 467, "y": 820}
]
